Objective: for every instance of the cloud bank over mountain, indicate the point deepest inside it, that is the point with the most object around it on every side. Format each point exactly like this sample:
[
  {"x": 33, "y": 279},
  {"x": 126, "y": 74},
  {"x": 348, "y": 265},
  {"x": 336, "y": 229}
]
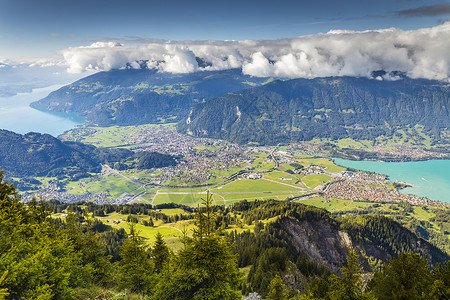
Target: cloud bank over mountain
[{"x": 421, "y": 53}]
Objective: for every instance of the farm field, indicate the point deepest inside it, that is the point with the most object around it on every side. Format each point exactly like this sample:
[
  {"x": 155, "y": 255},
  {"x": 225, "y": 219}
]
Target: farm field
[
  {"x": 272, "y": 185},
  {"x": 314, "y": 180},
  {"x": 113, "y": 136}
]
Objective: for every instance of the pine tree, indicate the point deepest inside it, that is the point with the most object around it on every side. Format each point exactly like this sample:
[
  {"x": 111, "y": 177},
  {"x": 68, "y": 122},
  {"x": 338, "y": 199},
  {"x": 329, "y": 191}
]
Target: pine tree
[
  {"x": 40, "y": 259},
  {"x": 160, "y": 252},
  {"x": 406, "y": 277},
  {"x": 87, "y": 243},
  {"x": 204, "y": 268},
  {"x": 136, "y": 268},
  {"x": 277, "y": 289},
  {"x": 349, "y": 286},
  {"x": 441, "y": 282}
]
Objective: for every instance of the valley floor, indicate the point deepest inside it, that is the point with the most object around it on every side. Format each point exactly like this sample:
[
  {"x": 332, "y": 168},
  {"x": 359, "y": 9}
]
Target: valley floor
[{"x": 232, "y": 173}]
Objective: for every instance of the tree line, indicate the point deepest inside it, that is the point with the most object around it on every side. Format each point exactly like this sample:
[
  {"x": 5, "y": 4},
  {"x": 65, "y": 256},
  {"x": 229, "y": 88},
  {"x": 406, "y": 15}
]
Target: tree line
[{"x": 79, "y": 257}]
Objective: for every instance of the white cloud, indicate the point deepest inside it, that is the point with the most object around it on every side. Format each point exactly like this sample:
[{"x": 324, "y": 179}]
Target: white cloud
[
  {"x": 259, "y": 66},
  {"x": 421, "y": 53},
  {"x": 178, "y": 60},
  {"x": 33, "y": 62}
]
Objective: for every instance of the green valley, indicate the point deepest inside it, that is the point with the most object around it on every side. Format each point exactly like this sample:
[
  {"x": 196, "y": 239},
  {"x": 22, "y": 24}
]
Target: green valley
[{"x": 232, "y": 173}]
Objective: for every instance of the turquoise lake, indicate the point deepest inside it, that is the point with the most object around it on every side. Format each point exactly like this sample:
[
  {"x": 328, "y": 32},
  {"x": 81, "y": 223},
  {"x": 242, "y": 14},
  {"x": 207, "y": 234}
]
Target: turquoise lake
[
  {"x": 16, "y": 114},
  {"x": 430, "y": 178}
]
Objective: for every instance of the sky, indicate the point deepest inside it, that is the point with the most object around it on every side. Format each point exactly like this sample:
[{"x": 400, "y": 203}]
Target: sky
[
  {"x": 90, "y": 35},
  {"x": 39, "y": 28}
]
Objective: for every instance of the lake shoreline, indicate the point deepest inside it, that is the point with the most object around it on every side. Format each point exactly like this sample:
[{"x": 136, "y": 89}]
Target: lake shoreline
[
  {"x": 18, "y": 116},
  {"x": 425, "y": 178}
]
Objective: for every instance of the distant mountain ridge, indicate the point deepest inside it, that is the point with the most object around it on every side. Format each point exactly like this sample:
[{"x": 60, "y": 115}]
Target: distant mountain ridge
[
  {"x": 35, "y": 154},
  {"x": 132, "y": 97},
  {"x": 334, "y": 107},
  {"x": 239, "y": 108}
]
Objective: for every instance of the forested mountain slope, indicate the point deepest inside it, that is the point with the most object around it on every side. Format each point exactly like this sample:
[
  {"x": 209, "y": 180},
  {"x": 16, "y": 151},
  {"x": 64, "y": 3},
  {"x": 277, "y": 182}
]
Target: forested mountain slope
[
  {"x": 300, "y": 243},
  {"x": 335, "y": 107},
  {"x": 131, "y": 97},
  {"x": 303, "y": 242},
  {"x": 35, "y": 154}
]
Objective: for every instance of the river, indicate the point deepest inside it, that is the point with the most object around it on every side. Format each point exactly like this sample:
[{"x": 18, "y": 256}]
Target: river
[
  {"x": 430, "y": 178},
  {"x": 16, "y": 114}
]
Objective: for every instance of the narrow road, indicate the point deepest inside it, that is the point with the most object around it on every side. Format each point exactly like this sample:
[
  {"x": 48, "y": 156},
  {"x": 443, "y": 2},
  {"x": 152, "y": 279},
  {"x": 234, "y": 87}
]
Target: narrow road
[
  {"x": 172, "y": 228},
  {"x": 273, "y": 156},
  {"x": 286, "y": 184},
  {"x": 132, "y": 198},
  {"x": 120, "y": 174}
]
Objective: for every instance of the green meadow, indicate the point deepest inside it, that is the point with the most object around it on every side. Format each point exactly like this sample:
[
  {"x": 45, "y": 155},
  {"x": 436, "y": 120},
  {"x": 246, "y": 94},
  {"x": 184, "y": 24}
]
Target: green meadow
[
  {"x": 316, "y": 179},
  {"x": 113, "y": 136}
]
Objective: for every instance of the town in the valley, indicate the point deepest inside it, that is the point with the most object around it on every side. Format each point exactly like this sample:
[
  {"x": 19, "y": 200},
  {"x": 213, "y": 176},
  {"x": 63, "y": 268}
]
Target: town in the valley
[{"x": 229, "y": 172}]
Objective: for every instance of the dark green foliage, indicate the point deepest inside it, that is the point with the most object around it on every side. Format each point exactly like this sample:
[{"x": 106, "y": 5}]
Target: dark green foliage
[
  {"x": 333, "y": 108},
  {"x": 136, "y": 268},
  {"x": 390, "y": 236},
  {"x": 271, "y": 262},
  {"x": 259, "y": 210},
  {"x": 350, "y": 285},
  {"x": 296, "y": 166},
  {"x": 87, "y": 243},
  {"x": 120, "y": 166},
  {"x": 125, "y": 209},
  {"x": 268, "y": 251},
  {"x": 41, "y": 154},
  {"x": 204, "y": 268},
  {"x": 441, "y": 285},
  {"x": 421, "y": 228},
  {"x": 132, "y": 219},
  {"x": 41, "y": 261},
  {"x": 113, "y": 241},
  {"x": 98, "y": 226},
  {"x": 160, "y": 253},
  {"x": 311, "y": 268},
  {"x": 114, "y": 97},
  {"x": 317, "y": 289},
  {"x": 407, "y": 277},
  {"x": 277, "y": 289},
  {"x": 35, "y": 154},
  {"x": 148, "y": 160},
  {"x": 3, "y": 291}
]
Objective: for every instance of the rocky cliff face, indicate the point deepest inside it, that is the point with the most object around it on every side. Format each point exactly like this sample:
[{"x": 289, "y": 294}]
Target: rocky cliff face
[
  {"x": 320, "y": 242},
  {"x": 303, "y": 243},
  {"x": 374, "y": 238}
]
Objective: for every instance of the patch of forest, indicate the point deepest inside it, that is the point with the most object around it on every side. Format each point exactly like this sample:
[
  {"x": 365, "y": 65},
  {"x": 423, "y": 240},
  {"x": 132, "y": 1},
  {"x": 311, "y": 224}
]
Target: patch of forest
[{"x": 35, "y": 154}]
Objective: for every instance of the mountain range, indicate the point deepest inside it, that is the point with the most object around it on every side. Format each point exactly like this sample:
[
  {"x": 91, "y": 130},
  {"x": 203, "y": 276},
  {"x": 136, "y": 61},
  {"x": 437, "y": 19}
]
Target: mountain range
[
  {"x": 132, "y": 97},
  {"x": 242, "y": 109},
  {"x": 334, "y": 107}
]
